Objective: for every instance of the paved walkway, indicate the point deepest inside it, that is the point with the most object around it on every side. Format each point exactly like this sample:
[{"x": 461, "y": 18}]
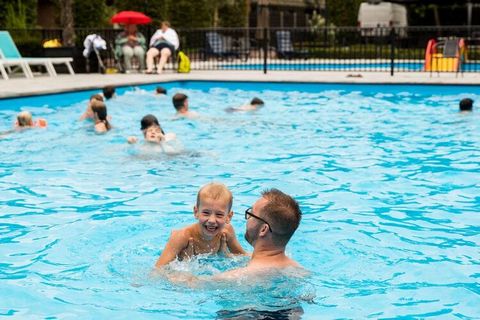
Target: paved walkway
[{"x": 43, "y": 84}]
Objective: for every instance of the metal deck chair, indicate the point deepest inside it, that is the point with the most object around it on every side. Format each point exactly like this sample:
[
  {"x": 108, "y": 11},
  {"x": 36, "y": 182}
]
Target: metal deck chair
[
  {"x": 285, "y": 47},
  {"x": 10, "y": 54},
  {"x": 216, "y": 46}
]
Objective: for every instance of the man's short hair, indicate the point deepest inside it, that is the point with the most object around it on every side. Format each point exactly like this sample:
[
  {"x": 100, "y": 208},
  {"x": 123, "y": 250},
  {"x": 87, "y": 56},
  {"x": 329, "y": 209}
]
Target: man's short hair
[
  {"x": 179, "y": 100},
  {"x": 161, "y": 90},
  {"x": 283, "y": 213},
  {"x": 108, "y": 92},
  {"x": 257, "y": 101},
  {"x": 466, "y": 104},
  {"x": 166, "y": 23},
  {"x": 215, "y": 191}
]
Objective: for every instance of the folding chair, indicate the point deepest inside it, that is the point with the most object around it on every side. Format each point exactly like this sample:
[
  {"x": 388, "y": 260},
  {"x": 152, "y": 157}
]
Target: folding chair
[
  {"x": 285, "y": 47},
  {"x": 216, "y": 46}
]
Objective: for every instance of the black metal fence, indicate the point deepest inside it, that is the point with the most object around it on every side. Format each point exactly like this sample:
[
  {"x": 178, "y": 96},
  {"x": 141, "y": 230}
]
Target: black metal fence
[{"x": 324, "y": 49}]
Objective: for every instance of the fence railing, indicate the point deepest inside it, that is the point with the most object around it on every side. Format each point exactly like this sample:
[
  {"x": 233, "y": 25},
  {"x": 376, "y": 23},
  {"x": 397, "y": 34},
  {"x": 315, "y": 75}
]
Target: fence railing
[{"x": 307, "y": 49}]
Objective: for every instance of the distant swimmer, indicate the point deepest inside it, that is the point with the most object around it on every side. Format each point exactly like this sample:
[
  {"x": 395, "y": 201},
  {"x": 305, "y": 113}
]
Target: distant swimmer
[
  {"x": 212, "y": 233},
  {"x": 466, "y": 105},
  {"x": 255, "y": 104},
  {"x": 100, "y": 117},
  {"x": 152, "y": 131},
  {"x": 25, "y": 120},
  {"x": 109, "y": 92},
  {"x": 88, "y": 114},
  {"x": 160, "y": 91},
  {"x": 180, "y": 103}
]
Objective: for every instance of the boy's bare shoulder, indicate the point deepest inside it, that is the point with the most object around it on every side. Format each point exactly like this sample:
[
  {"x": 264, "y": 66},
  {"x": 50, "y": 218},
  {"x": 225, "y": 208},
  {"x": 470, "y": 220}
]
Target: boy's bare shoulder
[{"x": 182, "y": 235}]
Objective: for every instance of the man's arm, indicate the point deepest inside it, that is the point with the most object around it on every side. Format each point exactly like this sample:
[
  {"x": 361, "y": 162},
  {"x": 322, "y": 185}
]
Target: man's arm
[{"x": 174, "y": 246}]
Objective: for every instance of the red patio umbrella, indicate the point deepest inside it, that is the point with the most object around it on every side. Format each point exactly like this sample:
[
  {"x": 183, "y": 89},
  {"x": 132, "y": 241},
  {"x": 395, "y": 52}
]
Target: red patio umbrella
[{"x": 131, "y": 17}]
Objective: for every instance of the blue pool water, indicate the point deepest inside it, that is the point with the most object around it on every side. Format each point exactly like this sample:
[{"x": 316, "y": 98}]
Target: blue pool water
[
  {"x": 388, "y": 178},
  {"x": 362, "y": 66}
]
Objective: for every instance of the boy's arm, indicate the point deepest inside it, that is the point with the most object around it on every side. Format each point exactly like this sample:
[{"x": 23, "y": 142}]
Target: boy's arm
[
  {"x": 174, "y": 246},
  {"x": 232, "y": 242}
]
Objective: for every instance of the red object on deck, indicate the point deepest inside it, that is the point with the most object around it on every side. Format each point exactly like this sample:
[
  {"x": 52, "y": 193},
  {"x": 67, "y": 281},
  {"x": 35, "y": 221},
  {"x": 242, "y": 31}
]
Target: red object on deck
[{"x": 131, "y": 17}]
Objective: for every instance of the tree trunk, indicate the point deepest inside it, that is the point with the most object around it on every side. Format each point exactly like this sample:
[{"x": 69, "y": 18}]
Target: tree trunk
[{"x": 66, "y": 18}]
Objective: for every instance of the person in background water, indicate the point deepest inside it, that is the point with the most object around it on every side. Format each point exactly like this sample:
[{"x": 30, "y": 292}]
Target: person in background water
[
  {"x": 109, "y": 92},
  {"x": 255, "y": 104},
  {"x": 466, "y": 105},
  {"x": 180, "y": 103},
  {"x": 25, "y": 120},
  {"x": 99, "y": 110},
  {"x": 152, "y": 131},
  {"x": 88, "y": 114}
]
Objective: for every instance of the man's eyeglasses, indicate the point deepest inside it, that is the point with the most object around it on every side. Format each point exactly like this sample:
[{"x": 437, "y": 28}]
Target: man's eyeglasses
[{"x": 249, "y": 213}]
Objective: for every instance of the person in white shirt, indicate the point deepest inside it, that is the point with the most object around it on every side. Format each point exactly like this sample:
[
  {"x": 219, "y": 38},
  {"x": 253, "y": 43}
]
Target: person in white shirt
[{"x": 164, "y": 42}]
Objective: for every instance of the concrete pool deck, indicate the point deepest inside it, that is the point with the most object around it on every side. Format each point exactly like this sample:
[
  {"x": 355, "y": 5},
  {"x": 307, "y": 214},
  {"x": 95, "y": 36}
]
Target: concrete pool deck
[{"x": 18, "y": 87}]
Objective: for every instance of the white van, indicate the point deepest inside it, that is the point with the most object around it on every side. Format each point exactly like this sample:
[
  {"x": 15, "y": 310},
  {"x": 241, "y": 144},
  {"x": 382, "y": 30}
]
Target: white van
[{"x": 373, "y": 15}]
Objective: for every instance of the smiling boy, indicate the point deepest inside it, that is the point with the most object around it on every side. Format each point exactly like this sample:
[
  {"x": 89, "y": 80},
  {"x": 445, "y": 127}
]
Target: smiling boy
[{"x": 213, "y": 232}]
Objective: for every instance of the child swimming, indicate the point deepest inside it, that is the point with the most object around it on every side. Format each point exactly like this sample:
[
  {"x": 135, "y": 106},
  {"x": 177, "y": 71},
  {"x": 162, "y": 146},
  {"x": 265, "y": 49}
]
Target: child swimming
[
  {"x": 99, "y": 110},
  {"x": 88, "y": 114},
  {"x": 25, "y": 120},
  {"x": 152, "y": 131},
  {"x": 212, "y": 233}
]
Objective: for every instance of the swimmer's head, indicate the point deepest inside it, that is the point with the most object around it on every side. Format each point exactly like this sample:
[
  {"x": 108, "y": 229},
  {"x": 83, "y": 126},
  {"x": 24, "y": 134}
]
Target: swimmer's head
[
  {"x": 108, "y": 92},
  {"x": 147, "y": 121},
  {"x": 99, "y": 110},
  {"x": 96, "y": 97},
  {"x": 213, "y": 208},
  {"x": 24, "y": 119},
  {"x": 180, "y": 101},
  {"x": 466, "y": 104},
  {"x": 160, "y": 90},
  {"x": 154, "y": 134},
  {"x": 257, "y": 102},
  {"x": 278, "y": 216}
]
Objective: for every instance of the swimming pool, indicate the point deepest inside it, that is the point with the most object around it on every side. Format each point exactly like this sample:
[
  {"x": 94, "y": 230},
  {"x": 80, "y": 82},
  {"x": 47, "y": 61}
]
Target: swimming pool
[{"x": 387, "y": 177}]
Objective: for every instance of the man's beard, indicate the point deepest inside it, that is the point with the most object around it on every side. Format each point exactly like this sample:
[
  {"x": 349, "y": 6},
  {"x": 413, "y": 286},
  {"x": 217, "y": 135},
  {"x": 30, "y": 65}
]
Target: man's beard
[{"x": 251, "y": 236}]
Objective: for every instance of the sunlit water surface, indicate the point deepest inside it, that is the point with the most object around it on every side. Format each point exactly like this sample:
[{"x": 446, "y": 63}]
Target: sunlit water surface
[{"x": 388, "y": 178}]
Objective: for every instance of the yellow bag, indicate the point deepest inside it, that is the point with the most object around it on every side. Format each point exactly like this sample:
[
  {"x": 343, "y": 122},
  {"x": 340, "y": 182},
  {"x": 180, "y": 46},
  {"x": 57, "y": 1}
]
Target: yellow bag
[
  {"x": 183, "y": 63},
  {"x": 53, "y": 43}
]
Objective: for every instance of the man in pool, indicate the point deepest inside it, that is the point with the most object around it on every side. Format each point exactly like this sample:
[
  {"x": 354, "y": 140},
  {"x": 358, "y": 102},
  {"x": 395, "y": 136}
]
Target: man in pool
[
  {"x": 466, "y": 105},
  {"x": 180, "y": 103},
  {"x": 213, "y": 232},
  {"x": 271, "y": 222}
]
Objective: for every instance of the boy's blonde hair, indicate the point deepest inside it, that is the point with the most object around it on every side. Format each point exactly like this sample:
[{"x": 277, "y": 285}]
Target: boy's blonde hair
[
  {"x": 215, "y": 191},
  {"x": 24, "y": 119}
]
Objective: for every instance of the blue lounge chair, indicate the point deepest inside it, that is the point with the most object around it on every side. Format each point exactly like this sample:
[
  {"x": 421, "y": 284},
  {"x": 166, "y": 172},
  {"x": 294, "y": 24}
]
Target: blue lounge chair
[
  {"x": 217, "y": 47},
  {"x": 285, "y": 47},
  {"x": 9, "y": 55}
]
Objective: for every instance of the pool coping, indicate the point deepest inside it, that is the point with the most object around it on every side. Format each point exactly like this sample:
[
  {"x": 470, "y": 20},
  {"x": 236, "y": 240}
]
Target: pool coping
[{"x": 42, "y": 85}]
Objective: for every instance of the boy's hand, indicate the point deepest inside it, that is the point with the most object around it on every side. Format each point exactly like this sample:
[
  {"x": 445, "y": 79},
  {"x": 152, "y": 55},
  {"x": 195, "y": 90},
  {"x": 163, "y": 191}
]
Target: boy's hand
[
  {"x": 223, "y": 250},
  {"x": 190, "y": 249}
]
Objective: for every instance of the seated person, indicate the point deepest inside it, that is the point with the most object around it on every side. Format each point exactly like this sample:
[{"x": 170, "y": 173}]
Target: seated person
[
  {"x": 180, "y": 103},
  {"x": 164, "y": 42},
  {"x": 24, "y": 120},
  {"x": 99, "y": 110},
  {"x": 108, "y": 92},
  {"x": 88, "y": 114},
  {"x": 152, "y": 131},
  {"x": 213, "y": 232},
  {"x": 466, "y": 105},
  {"x": 255, "y": 104},
  {"x": 130, "y": 43},
  {"x": 160, "y": 91}
]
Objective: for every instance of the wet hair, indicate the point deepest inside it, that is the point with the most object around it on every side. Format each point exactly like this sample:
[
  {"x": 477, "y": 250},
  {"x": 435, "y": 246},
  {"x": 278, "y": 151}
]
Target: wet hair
[
  {"x": 161, "y": 90},
  {"x": 97, "y": 96},
  {"x": 466, "y": 104},
  {"x": 100, "y": 109},
  {"x": 257, "y": 101},
  {"x": 24, "y": 119},
  {"x": 179, "y": 101},
  {"x": 108, "y": 92},
  {"x": 283, "y": 213},
  {"x": 215, "y": 191},
  {"x": 148, "y": 121}
]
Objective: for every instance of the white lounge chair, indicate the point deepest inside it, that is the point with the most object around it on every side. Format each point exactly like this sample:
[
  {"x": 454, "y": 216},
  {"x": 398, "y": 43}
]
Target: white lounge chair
[{"x": 10, "y": 56}]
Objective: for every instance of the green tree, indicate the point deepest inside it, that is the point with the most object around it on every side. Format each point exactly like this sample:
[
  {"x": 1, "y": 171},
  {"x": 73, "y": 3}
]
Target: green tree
[
  {"x": 233, "y": 14},
  {"x": 24, "y": 14},
  {"x": 343, "y": 13},
  {"x": 90, "y": 14}
]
